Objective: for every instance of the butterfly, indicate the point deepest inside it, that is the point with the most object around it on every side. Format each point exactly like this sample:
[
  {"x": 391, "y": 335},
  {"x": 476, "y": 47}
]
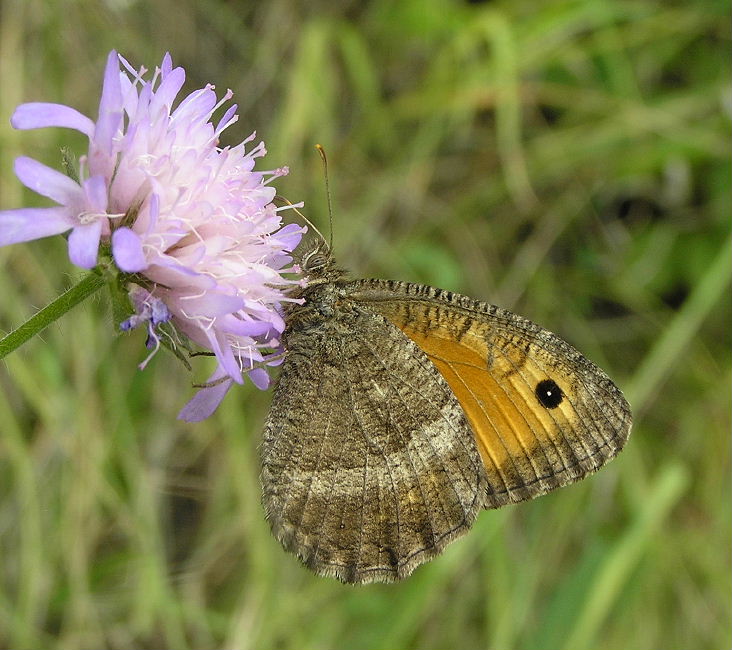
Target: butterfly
[{"x": 403, "y": 410}]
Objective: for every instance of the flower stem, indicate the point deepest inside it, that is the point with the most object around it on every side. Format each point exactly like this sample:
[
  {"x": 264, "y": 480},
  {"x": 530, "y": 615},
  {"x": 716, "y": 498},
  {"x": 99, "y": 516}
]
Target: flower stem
[{"x": 42, "y": 319}]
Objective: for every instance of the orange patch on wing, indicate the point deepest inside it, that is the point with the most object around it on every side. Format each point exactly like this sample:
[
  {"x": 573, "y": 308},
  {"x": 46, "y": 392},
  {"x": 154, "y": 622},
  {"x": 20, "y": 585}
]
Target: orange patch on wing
[{"x": 510, "y": 431}]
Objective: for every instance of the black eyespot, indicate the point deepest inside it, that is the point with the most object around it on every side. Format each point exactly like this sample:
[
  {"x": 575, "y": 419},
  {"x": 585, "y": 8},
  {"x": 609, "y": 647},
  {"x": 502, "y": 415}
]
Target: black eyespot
[{"x": 549, "y": 394}]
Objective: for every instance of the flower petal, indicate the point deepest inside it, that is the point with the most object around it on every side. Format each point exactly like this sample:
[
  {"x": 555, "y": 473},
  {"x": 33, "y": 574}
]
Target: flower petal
[
  {"x": 37, "y": 115},
  {"x": 47, "y": 182},
  {"x": 206, "y": 400},
  {"x": 228, "y": 118},
  {"x": 233, "y": 325},
  {"x": 127, "y": 251},
  {"x": 173, "y": 274},
  {"x": 167, "y": 65},
  {"x": 259, "y": 378},
  {"x": 110, "y": 105},
  {"x": 84, "y": 244},
  {"x": 26, "y": 224},
  {"x": 212, "y": 304},
  {"x": 289, "y": 236},
  {"x": 168, "y": 90},
  {"x": 101, "y": 151},
  {"x": 95, "y": 189},
  {"x": 224, "y": 354}
]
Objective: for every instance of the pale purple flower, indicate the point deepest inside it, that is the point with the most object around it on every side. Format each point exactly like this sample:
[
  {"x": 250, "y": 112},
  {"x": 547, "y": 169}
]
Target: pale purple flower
[{"x": 192, "y": 221}]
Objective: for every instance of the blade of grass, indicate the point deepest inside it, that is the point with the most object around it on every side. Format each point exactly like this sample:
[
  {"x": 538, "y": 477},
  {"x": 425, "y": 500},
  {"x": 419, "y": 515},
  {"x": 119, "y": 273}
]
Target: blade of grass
[
  {"x": 671, "y": 346},
  {"x": 618, "y": 564}
]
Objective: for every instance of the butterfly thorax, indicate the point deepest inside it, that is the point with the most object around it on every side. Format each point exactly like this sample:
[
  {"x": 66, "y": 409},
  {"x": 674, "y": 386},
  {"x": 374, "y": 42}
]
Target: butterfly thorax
[
  {"x": 326, "y": 324},
  {"x": 320, "y": 303}
]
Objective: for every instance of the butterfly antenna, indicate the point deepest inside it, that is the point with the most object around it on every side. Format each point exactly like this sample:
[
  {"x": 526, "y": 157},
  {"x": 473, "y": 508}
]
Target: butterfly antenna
[{"x": 323, "y": 157}]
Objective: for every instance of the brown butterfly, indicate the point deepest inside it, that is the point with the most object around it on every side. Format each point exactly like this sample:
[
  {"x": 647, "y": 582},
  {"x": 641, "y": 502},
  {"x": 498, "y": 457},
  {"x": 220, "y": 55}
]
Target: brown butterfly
[{"x": 402, "y": 410}]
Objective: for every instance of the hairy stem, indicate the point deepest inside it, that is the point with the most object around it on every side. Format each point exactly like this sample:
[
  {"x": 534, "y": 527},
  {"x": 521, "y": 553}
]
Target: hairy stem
[{"x": 42, "y": 319}]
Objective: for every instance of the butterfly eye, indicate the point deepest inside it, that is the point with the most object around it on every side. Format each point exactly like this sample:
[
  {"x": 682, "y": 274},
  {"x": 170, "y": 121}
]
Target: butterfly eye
[
  {"x": 315, "y": 261},
  {"x": 549, "y": 394}
]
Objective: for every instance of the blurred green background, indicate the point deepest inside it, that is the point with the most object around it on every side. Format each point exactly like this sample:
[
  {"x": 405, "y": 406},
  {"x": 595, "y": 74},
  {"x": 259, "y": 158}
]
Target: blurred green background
[{"x": 566, "y": 159}]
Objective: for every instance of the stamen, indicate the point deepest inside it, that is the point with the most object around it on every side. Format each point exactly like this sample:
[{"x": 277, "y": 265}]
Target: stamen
[{"x": 85, "y": 217}]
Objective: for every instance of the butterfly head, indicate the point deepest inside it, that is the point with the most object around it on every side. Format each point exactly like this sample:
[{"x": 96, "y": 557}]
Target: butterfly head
[
  {"x": 313, "y": 299},
  {"x": 317, "y": 264}
]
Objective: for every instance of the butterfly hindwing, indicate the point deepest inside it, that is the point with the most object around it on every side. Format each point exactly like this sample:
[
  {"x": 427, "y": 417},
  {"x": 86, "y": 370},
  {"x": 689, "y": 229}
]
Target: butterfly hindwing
[
  {"x": 542, "y": 414},
  {"x": 369, "y": 467}
]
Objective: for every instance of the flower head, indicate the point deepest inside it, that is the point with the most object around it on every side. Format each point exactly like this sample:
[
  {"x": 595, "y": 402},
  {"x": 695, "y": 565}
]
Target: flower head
[{"x": 193, "y": 222}]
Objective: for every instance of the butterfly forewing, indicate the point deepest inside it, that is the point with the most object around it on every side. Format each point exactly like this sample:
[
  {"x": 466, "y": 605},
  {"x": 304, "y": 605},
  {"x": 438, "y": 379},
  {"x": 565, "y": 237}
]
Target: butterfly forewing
[{"x": 541, "y": 413}]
